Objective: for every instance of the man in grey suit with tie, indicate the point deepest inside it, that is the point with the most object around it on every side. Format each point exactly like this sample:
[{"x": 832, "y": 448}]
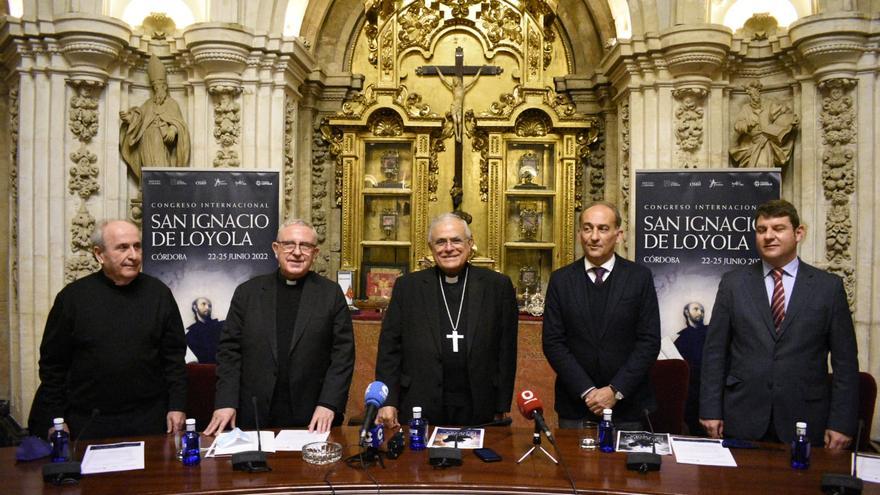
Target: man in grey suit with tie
[
  {"x": 602, "y": 328},
  {"x": 765, "y": 361},
  {"x": 287, "y": 342}
]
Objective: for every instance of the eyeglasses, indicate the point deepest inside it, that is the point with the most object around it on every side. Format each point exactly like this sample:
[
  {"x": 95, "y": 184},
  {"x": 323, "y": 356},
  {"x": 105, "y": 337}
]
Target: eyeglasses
[
  {"x": 456, "y": 242},
  {"x": 290, "y": 246}
]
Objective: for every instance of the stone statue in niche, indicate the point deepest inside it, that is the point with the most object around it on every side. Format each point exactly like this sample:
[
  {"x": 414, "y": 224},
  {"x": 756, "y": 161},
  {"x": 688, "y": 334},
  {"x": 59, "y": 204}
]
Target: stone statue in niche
[
  {"x": 154, "y": 134},
  {"x": 765, "y": 131}
]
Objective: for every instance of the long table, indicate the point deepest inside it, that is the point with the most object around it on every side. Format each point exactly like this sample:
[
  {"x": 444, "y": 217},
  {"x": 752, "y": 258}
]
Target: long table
[{"x": 758, "y": 471}]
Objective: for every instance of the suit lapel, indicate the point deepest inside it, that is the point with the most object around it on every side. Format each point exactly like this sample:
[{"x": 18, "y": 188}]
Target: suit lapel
[
  {"x": 307, "y": 301},
  {"x": 754, "y": 285},
  {"x": 431, "y": 308},
  {"x": 268, "y": 299},
  {"x": 800, "y": 294},
  {"x": 618, "y": 284},
  {"x": 475, "y": 292}
]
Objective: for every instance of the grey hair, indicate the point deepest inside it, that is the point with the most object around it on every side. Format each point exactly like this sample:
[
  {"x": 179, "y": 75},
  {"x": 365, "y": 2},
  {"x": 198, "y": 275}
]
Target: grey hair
[
  {"x": 98, "y": 234},
  {"x": 296, "y": 221},
  {"x": 443, "y": 217}
]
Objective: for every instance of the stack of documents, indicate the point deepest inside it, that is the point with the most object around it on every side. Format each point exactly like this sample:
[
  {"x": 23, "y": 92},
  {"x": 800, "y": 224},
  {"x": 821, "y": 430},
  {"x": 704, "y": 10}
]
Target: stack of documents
[{"x": 235, "y": 441}]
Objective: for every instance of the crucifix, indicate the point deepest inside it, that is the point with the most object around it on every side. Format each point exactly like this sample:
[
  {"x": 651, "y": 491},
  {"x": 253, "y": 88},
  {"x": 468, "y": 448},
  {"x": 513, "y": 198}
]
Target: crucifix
[
  {"x": 456, "y": 110},
  {"x": 455, "y": 336}
]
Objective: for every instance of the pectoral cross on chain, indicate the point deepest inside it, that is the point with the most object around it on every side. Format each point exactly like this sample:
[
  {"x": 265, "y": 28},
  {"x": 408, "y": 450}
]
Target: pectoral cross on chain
[
  {"x": 456, "y": 110},
  {"x": 454, "y": 336}
]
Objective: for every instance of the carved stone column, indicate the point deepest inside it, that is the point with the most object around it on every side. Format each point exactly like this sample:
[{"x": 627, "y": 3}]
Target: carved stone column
[
  {"x": 227, "y": 124},
  {"x": 838, "y": 177},
  {"x": 689, "y": 124}
]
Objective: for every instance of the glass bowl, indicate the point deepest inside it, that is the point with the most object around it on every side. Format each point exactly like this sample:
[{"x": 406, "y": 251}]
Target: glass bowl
[{"x": 321, "y": 453}]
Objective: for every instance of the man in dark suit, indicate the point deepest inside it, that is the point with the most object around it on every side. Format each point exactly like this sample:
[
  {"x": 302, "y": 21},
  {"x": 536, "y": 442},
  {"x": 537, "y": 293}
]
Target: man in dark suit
[
  {"x": 288, "y": 342},
  {"x": 448, "y": 340},
  {"x": 602, "y": 328},
  {"x": 765, "y": 359}
]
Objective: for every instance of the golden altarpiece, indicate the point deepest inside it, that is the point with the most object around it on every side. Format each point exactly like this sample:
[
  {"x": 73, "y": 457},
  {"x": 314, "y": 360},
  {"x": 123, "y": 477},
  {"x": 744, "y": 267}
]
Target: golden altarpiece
[{"x": 458, "y": 113}]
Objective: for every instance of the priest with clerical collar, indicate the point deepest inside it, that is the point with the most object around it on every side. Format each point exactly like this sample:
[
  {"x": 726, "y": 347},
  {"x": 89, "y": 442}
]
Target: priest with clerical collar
[{"x": 448, "y": 340}]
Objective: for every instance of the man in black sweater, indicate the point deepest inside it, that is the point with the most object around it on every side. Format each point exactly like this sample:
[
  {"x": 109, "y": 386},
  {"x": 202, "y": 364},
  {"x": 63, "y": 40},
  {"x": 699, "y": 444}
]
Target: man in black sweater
[{"x": 113, "y": 348}]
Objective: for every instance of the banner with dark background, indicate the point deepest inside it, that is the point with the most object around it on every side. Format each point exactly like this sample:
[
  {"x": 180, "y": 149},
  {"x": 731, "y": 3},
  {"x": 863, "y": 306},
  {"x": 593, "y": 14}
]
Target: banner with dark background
[
  {"x": 206, "y": 231},
  {"x": 692, "y": 226}
]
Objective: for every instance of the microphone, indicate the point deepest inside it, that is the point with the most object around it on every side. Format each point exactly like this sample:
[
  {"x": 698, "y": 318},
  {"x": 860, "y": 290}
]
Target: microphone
[
  {"x": 645, "y": 461},
  {"x": 374, "y": 398},
  {"x": 845, "y": 484},
  {"x": 68, "y": 472},
  {"x": 444, "y": 457},
  {"x": 252, "y": 461},
  {"x": 531, "y": 407}
]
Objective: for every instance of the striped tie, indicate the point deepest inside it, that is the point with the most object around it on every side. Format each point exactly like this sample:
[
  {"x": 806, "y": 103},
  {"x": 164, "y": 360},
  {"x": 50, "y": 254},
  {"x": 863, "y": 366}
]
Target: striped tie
[{"x": 777, "y": 302}]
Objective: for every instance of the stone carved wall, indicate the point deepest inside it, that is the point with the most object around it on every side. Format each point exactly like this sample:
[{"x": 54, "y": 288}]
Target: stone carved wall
[
  {"x": 13, "y": 192},
  {"x": 591, "y": 152},
  {"x": 83, "y": 177},
  {"x": 838, "y": 122},
  {"x": 227, "y": 124},
  {"x": 623, "y": 122},
  {"x": 289, "y": 170},
  {"x": 689, "y": 124}
]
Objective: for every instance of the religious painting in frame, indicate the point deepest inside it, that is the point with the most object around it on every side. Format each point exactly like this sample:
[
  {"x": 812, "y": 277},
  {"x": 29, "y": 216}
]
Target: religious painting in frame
[{"x": 377, "y": 280}]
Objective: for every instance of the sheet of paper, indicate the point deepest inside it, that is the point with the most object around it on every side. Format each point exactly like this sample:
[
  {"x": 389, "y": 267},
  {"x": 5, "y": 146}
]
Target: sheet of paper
[
  {"x": 462, "y": 438},
  {"x": 295, "y": 439},
  {"x": 108, "y": 458},
  {"x": 235, "y": 441},
  {"x": 704, "y": 451},
  {"x": 868, "y": 468}
]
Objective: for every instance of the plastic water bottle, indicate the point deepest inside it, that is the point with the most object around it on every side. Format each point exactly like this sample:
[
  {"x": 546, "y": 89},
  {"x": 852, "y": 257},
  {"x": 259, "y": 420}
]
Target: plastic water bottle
[
  {"x": 418, "y": 430},
  {"x": 606, "y": 432},
  {"x": 60, "y": 440},
  {"x": 800, "y": 447},
  {"x": 191, "y": 454}
]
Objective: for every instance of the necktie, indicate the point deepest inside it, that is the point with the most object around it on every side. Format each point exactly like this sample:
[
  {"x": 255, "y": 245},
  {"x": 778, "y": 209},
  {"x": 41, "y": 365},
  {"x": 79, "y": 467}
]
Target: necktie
[
  {"x": 777, "y": 302},
  {"x": 600, "y": 274}
]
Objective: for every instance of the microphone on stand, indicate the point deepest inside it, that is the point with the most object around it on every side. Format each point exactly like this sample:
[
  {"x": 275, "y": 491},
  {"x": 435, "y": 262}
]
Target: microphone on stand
[
  {"x": 252, "y": 461},
  {"x": 531, "y": 407},
  {"x": 845, "y": 484},
  {"x": 645, "y": 461},
  {"x": 374, "y": 397},
  {"x": 59, "y": 473},
  {"x": 444, "y": 457}
]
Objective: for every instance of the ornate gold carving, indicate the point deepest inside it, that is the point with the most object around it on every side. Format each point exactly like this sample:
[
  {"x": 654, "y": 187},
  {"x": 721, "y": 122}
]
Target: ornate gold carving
[
  {"x": 328, "y": 144},
  {"x": 385, "y": 123},
  {"x": 460, "y": 8},
  {"x": 320, "y": 184},
  {"x": 227, "y": 126},
  {"x": 765, "y": 131},
  {"x": 388, "y": 51},
  {"x": 533, "y": 123},
  {"x": 501, "y": 22},
  {"x": 549, "y": 38},
  {"x": 838, "y": 121},
  {"x": 412, "y": 102},
  {"x": 417, "y": 22},
  {"x": 360, "y": 101},
  {"x": 535, "y": 54},
  {"x": 375, "y": 10},
  {"x": 689, "y": 124},
  {"x": 591, "y": 158},
  {"x": 479, "y": 143},
  {"x": 560, "y": 102},
  {"x": 505, "y": 104},
  {"x": 438, "y": 146}
]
